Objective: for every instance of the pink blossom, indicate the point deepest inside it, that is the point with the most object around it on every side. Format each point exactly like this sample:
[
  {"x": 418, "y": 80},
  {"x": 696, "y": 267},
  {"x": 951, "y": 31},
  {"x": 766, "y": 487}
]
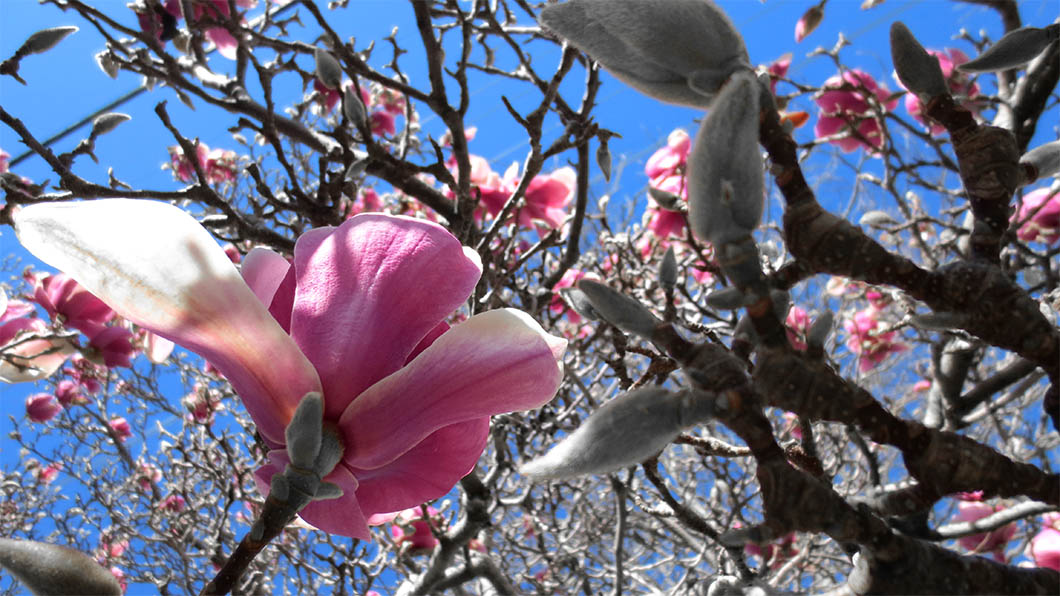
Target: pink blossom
[
  {"x": 173, "y": 504},
  {"x": 63, "y": 297},
  {"x": 546, "y": 199},
  {"x": 1045, "y": 546},
  {"x": 87, "y": 374},
  {"x": 359, "y": 316},
  {"x": 232, "y": 253},
  {"x": 992, "y": 542},
  {"x": 797, "y": 325},
  {"x": 670, "y": 160},
  {"x": 778, "y": 69},
  {"x": 48, "y": 473},
  {"x": 921, "y": 386},
  {"x": 367, "y": 201},
  {"x": 382, "y": 123},
  {"x": 120, "y": 576},
  {"x": 1040, "y": 214},
  {"x": 409, "y": 527},
  {"x": 121, "y": 428},
  {"x": 217, "y": 11},
  {"x": 4, "y": 157},
  {"x": 146, "y": 475},
  {"x": 201, "y": 405},
  {"x": 156, "y": 348},
  {"x": 69, "y": 393},
  {"x": 28, "y": 359},
  {"x": 844, "y": 102},
  {"x": 111, "y": 548},
  {"x": 42, "y": 407},
  {"x": 109, "y": 345},
  {"x": 774, "y": 553},
  {"x": 871, "y": 346},
  {"x": 791, "y": 425},
  {"x": 961, "y": 87},
  {"x": 218, "y": 165}
]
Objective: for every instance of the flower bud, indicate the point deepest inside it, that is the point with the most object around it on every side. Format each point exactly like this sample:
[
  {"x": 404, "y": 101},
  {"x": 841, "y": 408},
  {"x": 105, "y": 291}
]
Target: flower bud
[
  {"x": 820, "y": 329},
  {"x": 1045, "y": 160},
  {"x": 603, "y": 159},
  {"x": 53, "y": 569},
  {"x": 725, "y": 189},
  {"x": 618, "y": 309},
  {"x": 1016, "y": 48},
  {"x": 353, "y": 107},
  {"x": 303, "y": 433},
  {"x": 918, "y": 70},
  {"x": 107, "y": 122},
  {"x": 328, "y": 69},
  {"x": 578, "y": 301},
  {"x": 107, "y": 65},
  {"x": 668, "y": 270},
  {"x": 677, "y": 51},
  {"x": 665, "y": 200},
  {"x": 730, "y": 298},
  {"x": 877, "y": 219},
  {"x": 624, "y": 432},
  {"x": 809, "y": 21},
  {"x": 44, "y": 40}
]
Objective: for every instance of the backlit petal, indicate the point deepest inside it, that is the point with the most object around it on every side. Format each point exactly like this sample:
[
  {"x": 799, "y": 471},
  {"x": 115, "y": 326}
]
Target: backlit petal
[
  {"x": 156, "y": 266},
  {"x": 369, "y": 292},
  {"x": 498, "y": 361}
]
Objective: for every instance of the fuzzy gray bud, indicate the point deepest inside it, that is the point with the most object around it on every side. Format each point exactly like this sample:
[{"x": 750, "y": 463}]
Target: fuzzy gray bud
[
  {"x": 725, "y": 188},
  {"x": 44, "y": 40},
  {"x": 677, "y": 51},
  {"x": 666, "y": 200},
  {"x": 1045, "y": 160},
  {"x": 353, "y": 107},
  {"x": 620, "y": 310},
  {"x": 578, "y": 301},
  {"x": 668, "y": 270},
  {"x": 328, "y": 69},
  {"x": 53, "y": 569},
  {"x": 603, "y": 159},
  {"x": 304, "y": 431},
  {"x": 918, "y": 70},
  {"x": 1016, "y": 48},
  {"x": 624, "y": 432},
  {"x": 107, "y": 122},
  {"x": 730, "y": 298},
  {"x": 877, "y": 219},
  {"x": 107, "y": 64}
]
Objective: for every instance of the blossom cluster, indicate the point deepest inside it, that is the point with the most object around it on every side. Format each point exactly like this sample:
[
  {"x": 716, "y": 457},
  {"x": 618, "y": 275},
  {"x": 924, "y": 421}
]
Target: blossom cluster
[
  {"x": 218, "y": 165},
  {"x": 160, "y": 21}
]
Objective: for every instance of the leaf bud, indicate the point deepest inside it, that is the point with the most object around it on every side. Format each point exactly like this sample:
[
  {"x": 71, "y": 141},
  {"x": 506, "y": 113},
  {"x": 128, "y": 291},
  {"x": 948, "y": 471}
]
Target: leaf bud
[
  {"x": 1015, "y": 49},
  {"x": 918, "y": 70},
  {"x": 618, "y": 309},
  {"x": 45, "y": 39},
  {"x": 328, "y": 69}
]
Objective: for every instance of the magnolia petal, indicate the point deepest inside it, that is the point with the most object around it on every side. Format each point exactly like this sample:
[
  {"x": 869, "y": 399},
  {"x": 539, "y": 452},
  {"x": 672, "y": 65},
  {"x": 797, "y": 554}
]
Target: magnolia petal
[
  {"x": 156, "y": 266},
  {"x": 369, "y": 292},
  {"x": 224, "y": 42},
  {"x": 33, "y": 360},
  {"x": 157, "y": 348},
  {"x": 340, "y": 516},
  {"x": 264, "y": 271},
  {"x": 425, "y": 472},
  {"x": 498, "y": 361}
]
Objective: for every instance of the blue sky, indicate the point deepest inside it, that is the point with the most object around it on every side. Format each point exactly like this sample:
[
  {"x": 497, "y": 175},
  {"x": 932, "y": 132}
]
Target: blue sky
[{"x": 66, "y": 84}]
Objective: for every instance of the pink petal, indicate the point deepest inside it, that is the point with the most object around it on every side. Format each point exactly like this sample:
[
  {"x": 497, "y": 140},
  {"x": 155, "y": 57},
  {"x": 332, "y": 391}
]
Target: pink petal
[
  {"x": 156, "y": 266},
  {"x": 369, "y": 292},
  {"x": 425, "y": 472},
  {"x": 264, "y": 270},
  {"x": 497, "y": 361},
  {"x": 340, "y": 516},
  {"x": 226, "y": 44}
]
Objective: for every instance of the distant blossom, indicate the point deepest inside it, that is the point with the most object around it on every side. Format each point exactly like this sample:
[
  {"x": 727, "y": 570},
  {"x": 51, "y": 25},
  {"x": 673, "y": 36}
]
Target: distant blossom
[
  {"x": 1045, "y": 546},
  {"x": 844, "y": 103},
  {"x": 990, "y": 542},
  {"x": 1040, "y": 212},
  {"x": 961, "y": 87}
]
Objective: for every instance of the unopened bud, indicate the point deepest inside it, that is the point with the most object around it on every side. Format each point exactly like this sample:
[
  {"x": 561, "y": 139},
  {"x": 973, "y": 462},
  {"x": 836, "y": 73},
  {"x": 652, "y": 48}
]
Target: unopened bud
[
  {"x": 730, "y": 298},
  {"x": 677, "y": 51},
  {"x": 354, "y": 108},
  {"x": 668, "y": 270},
  {"x": 665, "y": 200},
  {"x": 624, "y": 432},
  {"x": 1045, "y": 160},
  {"x": 53, "y": 569},
  {"x": 44, "y": 40},
  {"x": 1016, "y": 48},
  {"x": 328, "y": 69},
  {"x": 820, "y": 329},
  {"x": 107, "y": 122},
  {"x": 107, "y": 64},
  {"x": 618, "y": 309},
  {"x": 357, "y": 166},
  {"x": 725, "y": 188},
  {"x": 578, "y": 301},
  {"x": 603, "y": 159},
  {"x": 808, "y": 22},
  {"x": 918, "y": 70},
  {"x": 877, "y": 219},
  {"x": 303, "y": 433}
]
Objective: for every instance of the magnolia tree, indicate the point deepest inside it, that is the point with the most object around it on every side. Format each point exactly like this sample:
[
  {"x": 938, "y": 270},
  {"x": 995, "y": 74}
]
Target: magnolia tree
[{"x": 400, "y": 371}]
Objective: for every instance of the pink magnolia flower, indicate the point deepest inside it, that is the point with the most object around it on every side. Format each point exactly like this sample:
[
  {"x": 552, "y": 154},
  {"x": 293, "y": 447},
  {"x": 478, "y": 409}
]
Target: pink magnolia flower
[
  {"x": 156, "y": 348},
  {"x": 797, "y": 324},
  {"x": 155, "y": 22},
  {"x": 778, "y": 69},
  {"x": 871, "y": 346},
  {"x": 121, "y": 427},
  {"x": 4, "y": 157},
  {"x": 991, "y": 542},
  {"x": 358, "y": 316},
  {"x": 666, "y": 172},
  {"x": 921, "y": 386},
  {"x": 1045, "y": 546},
  {"x": 201, "y": 405},
  {"x": 109, "y": 345},
  {"x": 961, "y": 87},
  {"x": 120, "y": 576},
  {"x": 408, "y": 527},
  {"x": 775, "y": 553},
  {"x": 558, "y": 305},
  {"x": 1040, "y": 214},
  {"x": 42, "y": 407},
  {"x": 844, "y": 103},
  {"x": 173, "y": 504},
  {"x": 27, "y": 359},
  {"x": 147, "y": 475},
  {"x": 545, "y": 201},
  {"x": 367, "y": 201},
  {"x": 48, "y": 473},
  {"x": 218, "y": 165}
]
